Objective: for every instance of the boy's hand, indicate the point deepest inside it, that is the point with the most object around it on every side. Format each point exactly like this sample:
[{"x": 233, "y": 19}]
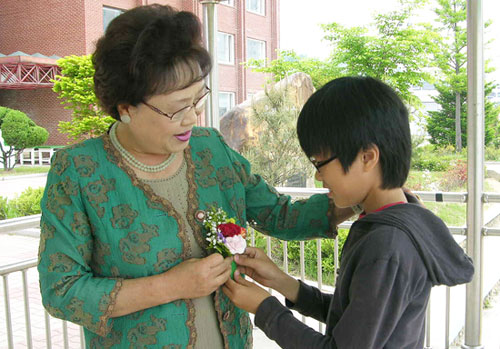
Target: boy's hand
[
  {"x": 257, "y": 265},
  {"x": 244, "y": 294}
]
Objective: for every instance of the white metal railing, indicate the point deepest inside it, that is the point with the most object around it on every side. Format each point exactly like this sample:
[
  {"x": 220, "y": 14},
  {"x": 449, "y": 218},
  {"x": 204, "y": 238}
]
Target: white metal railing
[{"x": 23, "y": 267}]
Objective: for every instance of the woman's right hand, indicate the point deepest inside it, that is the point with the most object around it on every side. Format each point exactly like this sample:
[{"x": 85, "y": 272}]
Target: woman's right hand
[{"x": 199, "y": 277}]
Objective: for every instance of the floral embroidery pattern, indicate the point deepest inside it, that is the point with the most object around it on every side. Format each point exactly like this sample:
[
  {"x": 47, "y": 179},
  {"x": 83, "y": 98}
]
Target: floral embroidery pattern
[
  {"x": 84, "y": 165},
  {"x": 145, "y": 333},
  {"x": 136, "y": 243},
  {"x": 78, "y": 316},
  {"x": 61, "y": 263},
  {"x": 96, "y": 193},
  {"x": 62, "y": 286},
  {"x": 56, "y": 312},
  {"x": 81, "y": 224},
  {"x": 58, "y": 195},
  {"x": 123, "y": 216},
  {"x": 110, "y": 340},
  {"x": 204, "y": 169},
  {"x": 200, "y": 132},
  {"x": 226, "y": 178},
  {"x": 46, "y": 232},
  {"x": 61, "y": 162},
  {"x": 245, "y": 325},
  {"x": 165, "y": 259},
  {"x": 238, "y": 205},
  {"x": 241, "y": 171},
  {"x": 100, "y": 251},
  {"x": 85, "y": 251}
]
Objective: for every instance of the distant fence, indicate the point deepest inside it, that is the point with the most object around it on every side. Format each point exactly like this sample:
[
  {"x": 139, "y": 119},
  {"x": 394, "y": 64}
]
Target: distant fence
[{"x": 37, "y": 156}]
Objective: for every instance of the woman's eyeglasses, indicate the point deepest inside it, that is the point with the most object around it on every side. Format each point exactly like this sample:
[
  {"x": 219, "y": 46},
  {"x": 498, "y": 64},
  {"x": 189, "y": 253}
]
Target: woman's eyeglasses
[
  {"x": 181, "y": 113},
  {"x": 319, "y": 164}
]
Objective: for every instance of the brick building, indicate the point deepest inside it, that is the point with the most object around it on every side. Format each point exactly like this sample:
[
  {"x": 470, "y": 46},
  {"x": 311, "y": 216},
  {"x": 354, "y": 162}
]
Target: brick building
[{"x": 46, "y": 29}]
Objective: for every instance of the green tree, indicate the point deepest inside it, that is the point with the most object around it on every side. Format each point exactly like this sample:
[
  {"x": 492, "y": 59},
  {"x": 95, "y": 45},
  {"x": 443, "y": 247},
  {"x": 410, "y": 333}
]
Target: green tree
[
  {"x": 448, "y": 126},
  {"x": 18, "y": 132},
  {"x": 275, "y": 154},
  {"x": 392, "y": 49},
  {"x": 75, "y": 87},
  {"x": 441, "y": 125},
  {"x": 288, "y": 62}
]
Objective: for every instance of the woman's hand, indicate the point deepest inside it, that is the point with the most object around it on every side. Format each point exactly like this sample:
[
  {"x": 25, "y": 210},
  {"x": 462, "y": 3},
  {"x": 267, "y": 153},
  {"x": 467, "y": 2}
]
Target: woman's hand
[
  {"x": 199, "y": 277},
  {"x": 244, "y": 294},
  {"x": 257, "y": 265}
]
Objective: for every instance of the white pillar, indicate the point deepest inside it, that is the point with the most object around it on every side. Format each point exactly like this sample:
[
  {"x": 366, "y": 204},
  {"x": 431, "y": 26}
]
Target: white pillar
[
  {"x": 210, "y": 31},
  {"x": 475, "y": 171}
]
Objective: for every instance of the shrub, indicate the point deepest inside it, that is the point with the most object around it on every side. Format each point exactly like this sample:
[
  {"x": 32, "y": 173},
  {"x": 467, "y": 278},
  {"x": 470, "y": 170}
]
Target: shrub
[
  {"x": 492, "y": 153},
  {"x": 4, "y": 208},
  {"x": 433, "y": 158},
  {"x": 455, "y": 178},
  {"x": 28, "y": 203}
]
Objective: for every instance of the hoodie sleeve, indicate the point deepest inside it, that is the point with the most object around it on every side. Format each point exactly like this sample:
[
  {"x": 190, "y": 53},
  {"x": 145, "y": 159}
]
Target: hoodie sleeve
[
  {"x": 311, "y": 302},
  {"x": 279, "y": 324},
  {"x": 378, "y": 293}
]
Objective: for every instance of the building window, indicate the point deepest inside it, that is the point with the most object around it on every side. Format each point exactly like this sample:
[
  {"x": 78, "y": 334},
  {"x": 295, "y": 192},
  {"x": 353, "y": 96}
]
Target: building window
[
  {"x": 226, "y": 102},
  {"x": 227, "y": 2},
  {"x": 108, "y": 14},
  {"x": 225, "y": 48},
  {"x": 257, "y": 6},
  {"x": 256, "y": 49}
]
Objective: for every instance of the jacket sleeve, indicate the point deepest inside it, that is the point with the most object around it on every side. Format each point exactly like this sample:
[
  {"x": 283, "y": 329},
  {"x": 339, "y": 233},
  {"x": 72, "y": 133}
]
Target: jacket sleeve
[
  {"x": 69, "y": 288},
  {"x": 311, "y": 302},
  {"x": 276, "y": 214},
  {"x": 279, "y": 324},
  {"x": 378, "y": 297}
]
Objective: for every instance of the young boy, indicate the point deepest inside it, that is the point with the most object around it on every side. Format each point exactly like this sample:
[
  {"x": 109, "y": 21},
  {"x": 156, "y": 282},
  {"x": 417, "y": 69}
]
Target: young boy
[{"x": 356, "y": 132}]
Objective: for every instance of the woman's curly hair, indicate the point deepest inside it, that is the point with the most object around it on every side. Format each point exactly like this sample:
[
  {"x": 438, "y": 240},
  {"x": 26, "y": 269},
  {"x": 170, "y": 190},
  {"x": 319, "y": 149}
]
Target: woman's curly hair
[{"x": 146, "y": 51}]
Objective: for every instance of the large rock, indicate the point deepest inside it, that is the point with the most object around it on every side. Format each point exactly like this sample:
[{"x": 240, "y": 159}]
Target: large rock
[{"x": 236, "y": 126}]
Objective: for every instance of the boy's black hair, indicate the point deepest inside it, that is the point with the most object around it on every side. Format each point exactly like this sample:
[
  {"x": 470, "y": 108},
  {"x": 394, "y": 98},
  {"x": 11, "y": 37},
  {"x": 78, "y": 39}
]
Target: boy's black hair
[{"x": 349, "y": 114}]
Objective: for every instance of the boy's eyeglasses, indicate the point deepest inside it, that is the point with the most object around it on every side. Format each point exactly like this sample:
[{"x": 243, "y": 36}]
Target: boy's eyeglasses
[
  {"x": 319, "y": 164},
  {"x": 181, "y": 113}
]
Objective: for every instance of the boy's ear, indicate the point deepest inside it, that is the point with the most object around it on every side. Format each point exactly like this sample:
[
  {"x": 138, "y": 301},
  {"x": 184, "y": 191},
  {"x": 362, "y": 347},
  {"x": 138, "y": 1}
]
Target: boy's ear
[{"x": 370, "y": 157}]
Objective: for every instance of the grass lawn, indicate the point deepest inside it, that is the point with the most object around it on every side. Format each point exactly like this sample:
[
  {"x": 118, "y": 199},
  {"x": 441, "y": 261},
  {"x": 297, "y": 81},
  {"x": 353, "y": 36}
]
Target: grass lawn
[{"x": 24, "y": 170}]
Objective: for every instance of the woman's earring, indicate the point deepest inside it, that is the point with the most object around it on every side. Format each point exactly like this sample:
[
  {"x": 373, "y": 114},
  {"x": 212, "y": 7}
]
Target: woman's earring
[{"x": 125, "y": 118}]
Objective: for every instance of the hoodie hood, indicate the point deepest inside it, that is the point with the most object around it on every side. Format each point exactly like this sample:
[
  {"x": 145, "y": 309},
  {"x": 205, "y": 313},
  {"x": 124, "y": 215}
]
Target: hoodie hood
[{"x": 445, "y": 261}]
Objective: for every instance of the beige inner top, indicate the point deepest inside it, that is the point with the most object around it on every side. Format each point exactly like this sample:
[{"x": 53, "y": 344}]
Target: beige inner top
[{"x": 175, "y": 189}]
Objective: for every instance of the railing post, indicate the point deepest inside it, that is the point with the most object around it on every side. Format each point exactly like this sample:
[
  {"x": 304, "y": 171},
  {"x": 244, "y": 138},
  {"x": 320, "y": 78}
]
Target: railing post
[
  {"x": 475, "y": 165},
  {"x": 8, "y": 317}
]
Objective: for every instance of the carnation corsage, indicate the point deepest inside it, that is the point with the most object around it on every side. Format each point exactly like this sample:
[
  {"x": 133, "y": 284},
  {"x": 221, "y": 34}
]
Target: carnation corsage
[{"x": 224, "y": 235}]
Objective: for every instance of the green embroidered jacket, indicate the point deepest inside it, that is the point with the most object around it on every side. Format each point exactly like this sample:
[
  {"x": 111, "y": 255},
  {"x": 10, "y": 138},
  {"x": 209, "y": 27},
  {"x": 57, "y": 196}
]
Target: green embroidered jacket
[{"x": 100, "y": 224}]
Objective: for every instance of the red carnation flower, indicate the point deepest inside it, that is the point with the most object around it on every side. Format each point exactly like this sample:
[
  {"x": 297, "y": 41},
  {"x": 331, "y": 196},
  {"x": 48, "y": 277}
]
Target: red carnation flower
[{"x": 230, "y": 229}]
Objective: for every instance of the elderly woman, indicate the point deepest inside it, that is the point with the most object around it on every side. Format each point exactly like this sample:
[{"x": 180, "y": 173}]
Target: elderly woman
[{"x": 123, "y": 249}]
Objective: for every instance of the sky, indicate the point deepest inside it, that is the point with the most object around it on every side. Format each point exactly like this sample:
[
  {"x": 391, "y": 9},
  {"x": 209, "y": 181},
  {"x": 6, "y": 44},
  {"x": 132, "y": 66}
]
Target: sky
[{"x": 300, "y": 31}]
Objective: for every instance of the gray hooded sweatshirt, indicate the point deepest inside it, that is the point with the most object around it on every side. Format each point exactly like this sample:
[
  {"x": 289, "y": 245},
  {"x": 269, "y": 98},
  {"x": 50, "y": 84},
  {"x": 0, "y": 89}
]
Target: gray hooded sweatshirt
[{"x": 390, "y": 261}]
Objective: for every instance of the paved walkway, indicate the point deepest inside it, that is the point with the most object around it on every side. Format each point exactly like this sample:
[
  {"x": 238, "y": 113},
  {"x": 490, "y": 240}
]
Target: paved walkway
[{"x": 12, "y": 186}]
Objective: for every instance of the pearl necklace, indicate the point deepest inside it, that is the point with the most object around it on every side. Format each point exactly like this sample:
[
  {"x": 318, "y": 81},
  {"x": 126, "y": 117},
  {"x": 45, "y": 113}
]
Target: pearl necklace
[{"x": 132, "y": 160}]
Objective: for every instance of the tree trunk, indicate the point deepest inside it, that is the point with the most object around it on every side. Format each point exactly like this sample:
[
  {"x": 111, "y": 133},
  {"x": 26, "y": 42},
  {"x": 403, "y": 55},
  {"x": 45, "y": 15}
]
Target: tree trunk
[{"x": 458, "y": 123}]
